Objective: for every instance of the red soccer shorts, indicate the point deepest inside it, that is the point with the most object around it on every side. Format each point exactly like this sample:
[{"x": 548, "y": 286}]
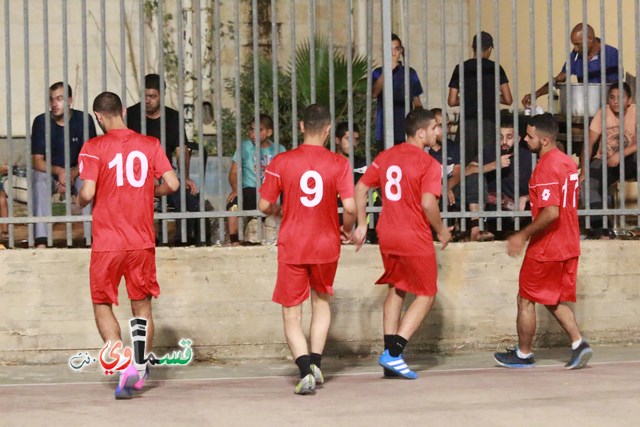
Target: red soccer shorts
[
  {"x": 549, "y": 282},
  {"x": 295, "y": 281},
  {"x": 138, "y": 268},
  {"x": 414, "y": 274}
]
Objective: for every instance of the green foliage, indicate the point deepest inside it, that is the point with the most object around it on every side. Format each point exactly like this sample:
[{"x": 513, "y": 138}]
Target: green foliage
[{"x": 303, "y": 83}]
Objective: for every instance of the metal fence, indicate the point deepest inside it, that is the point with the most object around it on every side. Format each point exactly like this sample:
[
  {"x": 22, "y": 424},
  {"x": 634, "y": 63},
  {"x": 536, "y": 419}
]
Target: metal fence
[{"x": 227, "y": 62}]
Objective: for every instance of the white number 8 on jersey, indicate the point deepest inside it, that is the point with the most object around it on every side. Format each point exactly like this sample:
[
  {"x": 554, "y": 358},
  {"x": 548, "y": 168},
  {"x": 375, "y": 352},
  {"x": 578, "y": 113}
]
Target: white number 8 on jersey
[
  {"x": 316, "y": 191},
  {"x": 392, "y": 188}
]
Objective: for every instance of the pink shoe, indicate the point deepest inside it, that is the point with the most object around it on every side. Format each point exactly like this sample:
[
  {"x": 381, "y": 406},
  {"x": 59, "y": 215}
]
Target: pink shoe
[
  {"x": 140, "y": 383},
  {"x": 128, "y": 378}
]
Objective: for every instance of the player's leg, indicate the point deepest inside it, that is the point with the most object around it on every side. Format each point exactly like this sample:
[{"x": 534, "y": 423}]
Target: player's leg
[
  {"x": 142, "y": 309},
  {"x": 526, "y": 324},
  {"x": 292, "y": 289},
  {"x": 107, "y": 324},
  {"x": 414, "y": 316},
  {"x": 320, "y": 323}
]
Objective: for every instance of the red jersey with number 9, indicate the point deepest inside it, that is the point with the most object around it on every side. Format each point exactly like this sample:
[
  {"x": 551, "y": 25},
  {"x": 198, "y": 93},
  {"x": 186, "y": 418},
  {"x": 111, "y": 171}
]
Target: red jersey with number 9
[
  {"x": 123, "y": 165},
  {"x": 404, "y": 173},
  {"x": 554, "y": 182},
  {"x": 310, "y": 178}
]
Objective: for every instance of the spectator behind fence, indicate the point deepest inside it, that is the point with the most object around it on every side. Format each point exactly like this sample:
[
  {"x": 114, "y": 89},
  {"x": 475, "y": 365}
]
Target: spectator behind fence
[
  {"x": 41, "y": 191},
  {"x": 4, "y": 207},
  {"x": 594, "y": 62},
  {"x": 471, "y": 104},
  {"x": 453, "y": 159},
  {"x": 397, "y": 80},
  {"x": 342, "y": 148},
  {"x": 249, "y": 182},
  {"x": 172, "y": 146},
  {"x": 611, "y": 162}
]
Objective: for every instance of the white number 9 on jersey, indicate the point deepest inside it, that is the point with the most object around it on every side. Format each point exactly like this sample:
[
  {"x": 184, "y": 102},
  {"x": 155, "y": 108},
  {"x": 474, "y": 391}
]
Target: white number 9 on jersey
[
  {"x": 392, "y": 188},
  {"x": 316, "y": 191}
]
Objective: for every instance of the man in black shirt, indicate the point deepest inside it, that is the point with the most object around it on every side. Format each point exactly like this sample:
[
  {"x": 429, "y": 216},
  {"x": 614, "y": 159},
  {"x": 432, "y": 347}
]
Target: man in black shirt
[{"x": 153, "y": 115}]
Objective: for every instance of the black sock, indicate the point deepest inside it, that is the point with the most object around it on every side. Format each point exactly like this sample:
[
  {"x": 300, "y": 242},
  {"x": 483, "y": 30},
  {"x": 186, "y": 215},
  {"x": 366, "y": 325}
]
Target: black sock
[
  {"x": 233, "y": 238},
  {"x": 397, "y": 345},
  {"x": 315, "y": 359},
  {"x": 304, "y": 365},
  {"x": 388, "y": 341}
]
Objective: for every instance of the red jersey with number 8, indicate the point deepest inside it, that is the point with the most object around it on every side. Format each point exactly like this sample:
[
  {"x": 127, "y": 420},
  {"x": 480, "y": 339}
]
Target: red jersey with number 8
[
  {"x": 310, "y": 178},
  {"x": 404, "y": 173},
  {"x": 124, "y": 166},
  {"x": 554, "y": 182}
]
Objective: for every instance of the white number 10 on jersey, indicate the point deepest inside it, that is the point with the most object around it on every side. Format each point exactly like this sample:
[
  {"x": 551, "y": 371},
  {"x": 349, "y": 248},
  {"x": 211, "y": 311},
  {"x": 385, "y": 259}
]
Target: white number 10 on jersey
[{"x": 131, "y": 178}]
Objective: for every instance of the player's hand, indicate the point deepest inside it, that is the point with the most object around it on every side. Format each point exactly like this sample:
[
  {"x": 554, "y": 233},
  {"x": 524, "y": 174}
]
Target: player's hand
[
  {"x": 276, "y": 210},
  {"x": 359, "y": 235},
  {"x": 345, "y": 236},
  {"x": 526, "y": 100},
  {"x": 232, "y": 196},
  {"x": 614, "y": 160},
  {"x": 451, "y": 197},
  {"x": 191, "y": 186},
  {"x": 444, "y": 236},
  {"x": 505, "y": 160},
  {"x": 515, "y": 244}
]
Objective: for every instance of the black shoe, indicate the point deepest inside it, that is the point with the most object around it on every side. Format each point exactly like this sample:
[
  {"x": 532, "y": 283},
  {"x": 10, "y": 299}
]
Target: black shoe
[
  {"x": 580, "y": 356},
  {"x": 510, "y": 359}
]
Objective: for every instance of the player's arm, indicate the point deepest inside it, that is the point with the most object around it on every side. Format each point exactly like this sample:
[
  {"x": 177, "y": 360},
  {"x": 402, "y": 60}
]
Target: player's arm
[
  {"x": 453, "y": 100},
  {"x": 170, "y": 184},
  {"x": 360, "y": 201},
  {"x": 233, "y": 181},
  {"x": 268, "y": 208},
  {"x": 432, "y": 211},
  {"x": 348, "y": 215},
  {"x": 87, "y": 191},
  {"x": 545, "y": 217}
]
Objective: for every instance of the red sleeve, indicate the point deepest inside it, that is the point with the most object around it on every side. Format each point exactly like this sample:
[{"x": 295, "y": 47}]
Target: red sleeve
[
  {"x": 548, "y": 189},
  {"x": 345, "y": 181},
  {"x": 89, "y": 161},
  {"x": 371, "y": 177},
  {"x": 161, "y": 162},
  {"x": 431, "y": 177},
  {"x": 272, "y": 185}
]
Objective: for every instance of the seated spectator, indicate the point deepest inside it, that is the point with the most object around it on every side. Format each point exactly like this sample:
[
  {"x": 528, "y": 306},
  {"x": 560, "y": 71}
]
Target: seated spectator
[
  {"x": 453, "y": 160},
  {"x": 41, "y": 191},
  {"x": 153, "y": 120},
  {"x": 611, "y": 161},
  {"x": 249, "y": 181},
  {"x": 4, "y": 207}
]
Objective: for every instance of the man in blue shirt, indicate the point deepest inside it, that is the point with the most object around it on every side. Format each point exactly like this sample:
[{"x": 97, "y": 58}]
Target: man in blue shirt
[
  {"x": 397, "y": 80},
  {"x": 41, "y": 191},
  {"x": 594, "y": 62}
]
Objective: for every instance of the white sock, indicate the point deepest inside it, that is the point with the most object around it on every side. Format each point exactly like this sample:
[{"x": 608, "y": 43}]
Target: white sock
[
  {"x": 141, "y": 368},
  {"x": 522, "y": 355},
  {"x": 576, "y": 344}
]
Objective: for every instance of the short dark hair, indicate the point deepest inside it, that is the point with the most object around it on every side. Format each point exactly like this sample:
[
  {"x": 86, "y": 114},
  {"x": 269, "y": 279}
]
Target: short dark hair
[
  {"x": 546, "y": 125},
  {"x": 417, "y": 119},
  {"x": 506, "y": 119},
  {"x": 625, "y": 87},
  {"x": 266, "y": 121},
  {"x": 436, "y": 111},
  {"x": 59, "y": 85},
  {"x": 486, "y": 41},
  {"x": 108, "y": 103},
  {"x": 343, "y": 127},
  {"x": 152, "y": 81},
  {"x": 394, "y": 37},
  {"x": 315, "y": 118}
]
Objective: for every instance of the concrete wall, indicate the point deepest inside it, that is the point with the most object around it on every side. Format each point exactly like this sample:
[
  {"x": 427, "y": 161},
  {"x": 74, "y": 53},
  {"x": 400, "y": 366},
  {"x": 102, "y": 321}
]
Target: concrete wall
[{"x": 221, "y": 299}]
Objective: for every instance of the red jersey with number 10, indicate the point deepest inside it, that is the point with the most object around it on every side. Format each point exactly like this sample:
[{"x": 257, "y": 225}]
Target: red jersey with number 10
[
  {"x": 123, "y": 165},
  {"x": 309, "y": 177},
  {"x": 404, "y": 173},
  {"x": 554, "y": 182}
]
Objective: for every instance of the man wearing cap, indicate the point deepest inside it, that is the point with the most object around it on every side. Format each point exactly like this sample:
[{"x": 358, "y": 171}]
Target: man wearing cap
[{"x": 472, "y": 116}]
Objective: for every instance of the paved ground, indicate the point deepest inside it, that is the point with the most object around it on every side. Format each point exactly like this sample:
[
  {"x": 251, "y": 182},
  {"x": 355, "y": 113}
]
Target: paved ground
[{"x": 464, "y": 390}]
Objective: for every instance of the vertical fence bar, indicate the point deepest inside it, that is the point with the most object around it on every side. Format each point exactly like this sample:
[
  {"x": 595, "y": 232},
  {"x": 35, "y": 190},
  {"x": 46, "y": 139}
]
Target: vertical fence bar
[
  {"x": 407, "y": 70},
  {"x": 496, "y": 85},
  {"x": 274, "y": 72},
  {"x": 332, "y": 81},
  {"x": 85, "y": 97},
  {"x": 349, "y": 79},
  {"x": 47, "y": 113},
  {"x": 462, "y": 117},
  {"x": 425, "y": 53},
  {"x": 312, "y": 48},
  {"x": 294, "y": 78},
  {"x": 622, "y": 184},
  {"x": 603, "y": 122},
  {"x": 445, "y": 136},
  {"x": 387, "y": 91},
  {"x": 27, "y": 122},
  {"x": 103, "y": 44},
  {"x": 7, "y": 65},
  {"x": 481, "y": 143},
  {"x": 123, "y": 53},
  {"x": 256, "y": 102},
  {"x": 236, "y": 36},
  {"x": 369, "y": 43},
  {"x": 516, "y": 117},
  {"x": 218, "y": 106},
  {"x": 202, "y": 35},
  {"x": 67, "y": 123}
]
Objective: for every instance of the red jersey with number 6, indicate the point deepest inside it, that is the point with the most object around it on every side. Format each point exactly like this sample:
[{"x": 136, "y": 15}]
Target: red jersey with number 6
[
  {"x": 554, "y": 182},
  {"x": 309, "y": 177},
  {"x": 404, "y": 173},
  {"x": 123, "y": 165}
]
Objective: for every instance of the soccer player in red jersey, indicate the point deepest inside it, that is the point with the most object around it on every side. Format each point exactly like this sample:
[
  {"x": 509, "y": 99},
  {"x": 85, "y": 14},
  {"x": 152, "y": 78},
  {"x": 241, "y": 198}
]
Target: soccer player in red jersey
[
  {"x": 411, "y": 183},
  {"x": 550, "y": 266},
  {"x": 119, "y": 170},
  {"x": 310, "y": 178}
]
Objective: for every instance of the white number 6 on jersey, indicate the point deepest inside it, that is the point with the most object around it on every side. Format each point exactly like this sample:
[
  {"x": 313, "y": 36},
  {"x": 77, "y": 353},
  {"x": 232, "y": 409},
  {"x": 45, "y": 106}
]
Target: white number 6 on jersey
[{"x": 316, "y": 191}]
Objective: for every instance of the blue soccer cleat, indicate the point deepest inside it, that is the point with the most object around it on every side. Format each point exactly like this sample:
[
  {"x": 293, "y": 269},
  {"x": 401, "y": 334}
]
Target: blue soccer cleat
[{"x": 396, "y": 365}]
